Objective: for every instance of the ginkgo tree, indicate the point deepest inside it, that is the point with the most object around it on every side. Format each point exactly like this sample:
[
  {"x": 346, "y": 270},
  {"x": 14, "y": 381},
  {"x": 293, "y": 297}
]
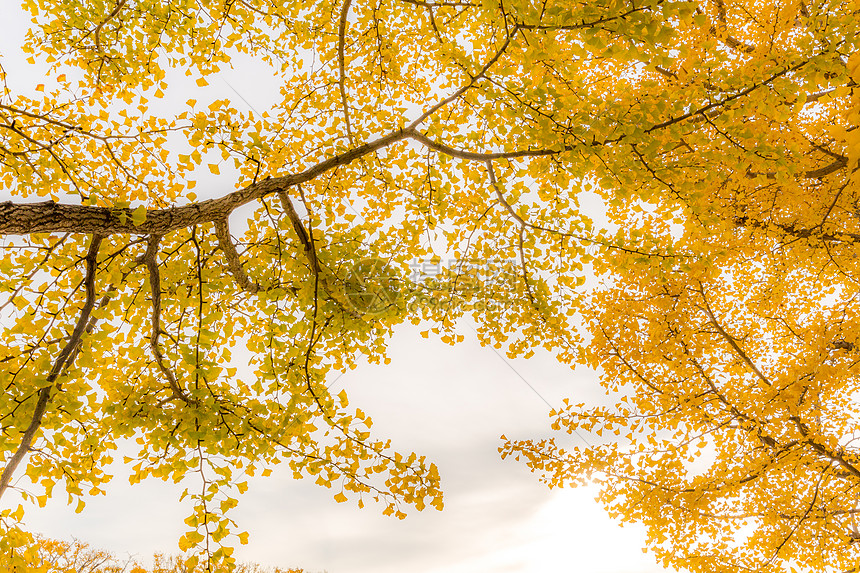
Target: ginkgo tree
[{"x": 721, "y": 136}]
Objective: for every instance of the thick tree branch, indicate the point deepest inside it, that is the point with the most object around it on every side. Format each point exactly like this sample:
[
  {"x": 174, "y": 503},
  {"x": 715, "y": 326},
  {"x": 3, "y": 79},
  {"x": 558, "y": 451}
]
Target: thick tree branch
[
  {"x": 813, "y": 97},
  {"x": 840, "y": 163},
  {"x": 50, "y": 217},
  {"x": 849, "y": 469},
  {"x": 63, "y": 361}
]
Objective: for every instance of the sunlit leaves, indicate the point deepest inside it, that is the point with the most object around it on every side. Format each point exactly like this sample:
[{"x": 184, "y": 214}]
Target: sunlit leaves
[{"x": 725, "y": 330}]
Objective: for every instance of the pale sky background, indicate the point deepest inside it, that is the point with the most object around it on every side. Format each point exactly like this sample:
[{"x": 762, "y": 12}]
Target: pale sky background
[{"x": 449, "y": 403}]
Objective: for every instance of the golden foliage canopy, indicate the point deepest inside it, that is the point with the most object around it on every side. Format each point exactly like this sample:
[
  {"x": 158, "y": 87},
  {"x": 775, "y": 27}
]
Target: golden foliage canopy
[{"x": 721, "y": 137}]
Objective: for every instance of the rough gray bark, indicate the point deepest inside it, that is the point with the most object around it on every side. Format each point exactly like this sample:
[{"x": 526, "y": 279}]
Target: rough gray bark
[{"x": 51, "y": 217}]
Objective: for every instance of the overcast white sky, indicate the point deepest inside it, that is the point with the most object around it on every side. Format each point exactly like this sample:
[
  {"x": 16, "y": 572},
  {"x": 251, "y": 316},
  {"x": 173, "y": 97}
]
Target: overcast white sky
[{"x": 449, "y": 403}]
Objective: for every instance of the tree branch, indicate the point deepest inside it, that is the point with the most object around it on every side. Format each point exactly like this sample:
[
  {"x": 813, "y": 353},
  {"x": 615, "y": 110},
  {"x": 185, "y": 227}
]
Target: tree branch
[
  {"x": 840, "y": 163},
  {"x": 341, "y": 62},
  {"x": 582, "y": 25},
  {"x": 50, "y": 217},
  {"x": 722, "y": 34},
  {"x": 151, "y": 260},
  {"x": 234, "y": 262},
  {"x": 301, "y": 232},
  {"x": 473, "y": 79},
  {"x": 63, "y": 360},
  {"x": 307, "y": 241},
  {"x": 492, "y": 174},
  {"x": 98, "y": 29},
  {"x": 482, "y": 156},
  {"x": 730, "y": 339}
]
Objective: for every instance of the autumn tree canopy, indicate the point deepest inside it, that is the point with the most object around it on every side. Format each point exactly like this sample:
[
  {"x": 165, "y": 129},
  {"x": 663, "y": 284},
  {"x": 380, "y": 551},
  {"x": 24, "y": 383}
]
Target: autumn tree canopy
[{"x": 720, "y": 136}]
